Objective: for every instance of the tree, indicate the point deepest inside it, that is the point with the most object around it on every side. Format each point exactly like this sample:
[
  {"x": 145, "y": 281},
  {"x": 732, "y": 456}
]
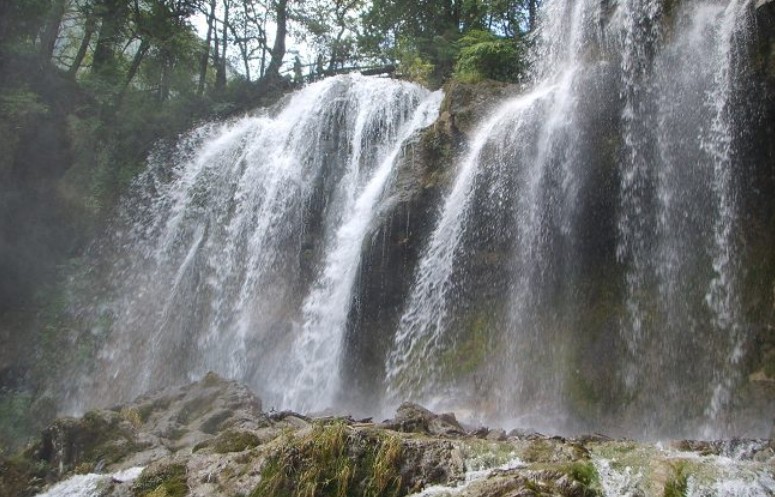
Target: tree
[
  {"x": 48, "y": 36},
  {"x": 206, "y": 52},
  {"x": 89, "y": 27},
  {"x": 112, "y": 15},
  {"x": 427, "y": 33},
  {"x": 248, "y": 29},
  {"x": 278, "y": 49},
  {"x": 332, "y": 28}
]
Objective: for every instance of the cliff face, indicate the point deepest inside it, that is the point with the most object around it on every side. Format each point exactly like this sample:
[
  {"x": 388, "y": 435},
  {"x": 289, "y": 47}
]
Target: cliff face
[
  {"x": 211, "y": 438},
  {"x": 760, "y": 209},
  {"x": 410, "y": 213}
]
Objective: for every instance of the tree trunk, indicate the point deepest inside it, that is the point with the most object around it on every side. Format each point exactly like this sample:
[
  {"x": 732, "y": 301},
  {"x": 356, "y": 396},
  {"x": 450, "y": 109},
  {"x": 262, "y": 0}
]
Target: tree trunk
[
  {"x": 532, "y": 10},
  {"x": 136, "y": 61},
  {"x": 278, "y": 51},
  {"x": 245, "y": 59},
  {"x": 164, "y": 83},
  {"x": 206, "y": 55},
  {"x": 5, "y": 13},
  {"x": 112, "y": 14},
  {"x": 48, "y": 37},
  {"x": 335, "y": 51},
  {"x": 220, "y": 73},
  {"x": 262, "y": 69},
  {"x": 88, "y": 32}
]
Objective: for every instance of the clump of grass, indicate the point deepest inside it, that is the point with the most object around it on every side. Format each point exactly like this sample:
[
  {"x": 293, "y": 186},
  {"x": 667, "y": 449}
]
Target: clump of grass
[
  {"x": 677, "y": 483},
  {"x": 132, "y": 415},
  {"x": 333, "y": 461},
  {"x": 584, "y": 472},
  {"x": 385, "y": 472}
]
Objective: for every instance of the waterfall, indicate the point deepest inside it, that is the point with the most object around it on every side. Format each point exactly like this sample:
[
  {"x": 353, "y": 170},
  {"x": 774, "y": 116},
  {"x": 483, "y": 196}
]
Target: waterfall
[
  {"x": 317, "y": 350},
  {"x": 582, "y": 268},
  {"x": 237, "y": 250},
  {"x": 606, "y": 194}
]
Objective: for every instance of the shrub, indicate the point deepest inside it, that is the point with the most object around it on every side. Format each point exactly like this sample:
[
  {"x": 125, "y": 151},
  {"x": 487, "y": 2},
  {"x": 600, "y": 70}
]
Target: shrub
[{"x": 485, "y": 56}]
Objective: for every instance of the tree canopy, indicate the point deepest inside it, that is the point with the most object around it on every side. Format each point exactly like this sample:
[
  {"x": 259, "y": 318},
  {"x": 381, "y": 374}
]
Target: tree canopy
[{"x": 153, "y": 46}]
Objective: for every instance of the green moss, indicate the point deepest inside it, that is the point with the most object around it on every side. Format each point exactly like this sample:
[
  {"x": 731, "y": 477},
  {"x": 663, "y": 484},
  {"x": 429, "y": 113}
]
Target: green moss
[
  {"x": 163, "y": 481},
  {"x": 132, "y": 416},
  {"x": 616, "y": 450},
  {"x": 584, "y": 472},
  {"x": 333, "y": 461},
  {"x": 235, "y": 441},
  {"x": 19, "y": 474},
  {"x": 101, "y": 438},
  {"x": 473, "y": 347},
  {"x": 485, "y": 454},
  {"x": 538, "y": 451}
]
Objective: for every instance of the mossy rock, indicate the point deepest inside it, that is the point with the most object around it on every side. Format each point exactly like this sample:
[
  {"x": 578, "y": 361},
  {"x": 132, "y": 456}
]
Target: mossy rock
[
  {"x": 334, "y": 460},
  {"x": 553, "y": 451},
  {"x": 469, "y": 103},
  {"x": 557, "y": 481},
  {"x": 167, "y": 480},
  {"x": 20, "y": 477},
  {"x": 98, "y": 436},
  {"x": 235, "y": 441}
]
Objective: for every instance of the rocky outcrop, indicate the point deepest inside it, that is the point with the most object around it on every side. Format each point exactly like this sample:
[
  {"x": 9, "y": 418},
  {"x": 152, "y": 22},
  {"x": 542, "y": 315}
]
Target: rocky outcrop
[
  {"x": 413, "y": 418},
  {"x": 211, "y": 438}
]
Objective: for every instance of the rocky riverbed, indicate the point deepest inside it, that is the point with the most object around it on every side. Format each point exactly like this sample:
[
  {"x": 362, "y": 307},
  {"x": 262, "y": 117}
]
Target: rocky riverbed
[{"x": 212, "y": 438}]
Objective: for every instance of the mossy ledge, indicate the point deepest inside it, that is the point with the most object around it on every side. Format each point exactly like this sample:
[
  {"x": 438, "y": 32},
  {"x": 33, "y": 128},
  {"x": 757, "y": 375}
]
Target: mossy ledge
[{"x": 229, "y": 447}]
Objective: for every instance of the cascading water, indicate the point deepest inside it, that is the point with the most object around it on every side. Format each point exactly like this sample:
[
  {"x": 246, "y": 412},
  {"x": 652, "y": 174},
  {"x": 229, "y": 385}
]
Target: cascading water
[
  {"x": 217, "y": 267},
  {"x": 723, "y": 472},
  {"x": 584, "y": 272},
  {"x": 317, "y": 351},
  {"x": 606, "y": 194}
]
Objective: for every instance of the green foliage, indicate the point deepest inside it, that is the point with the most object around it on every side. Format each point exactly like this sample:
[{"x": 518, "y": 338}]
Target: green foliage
[
  {"x": 413, "y": 66},
  {"x": 435, "y": 29},
  {"x": 21, "y": 22},
  {"x": 21, "y": 105},
  {"x": 20, "y": 108},
  {"x": 20, "y": 476},
  {"x": 15, "y": 422},
  {"x": 485, "y": 56}
]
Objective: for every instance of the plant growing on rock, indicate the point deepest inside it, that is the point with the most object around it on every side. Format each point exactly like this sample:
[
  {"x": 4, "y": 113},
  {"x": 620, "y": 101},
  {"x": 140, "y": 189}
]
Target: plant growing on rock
[{"x": 333, "y": 460}]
